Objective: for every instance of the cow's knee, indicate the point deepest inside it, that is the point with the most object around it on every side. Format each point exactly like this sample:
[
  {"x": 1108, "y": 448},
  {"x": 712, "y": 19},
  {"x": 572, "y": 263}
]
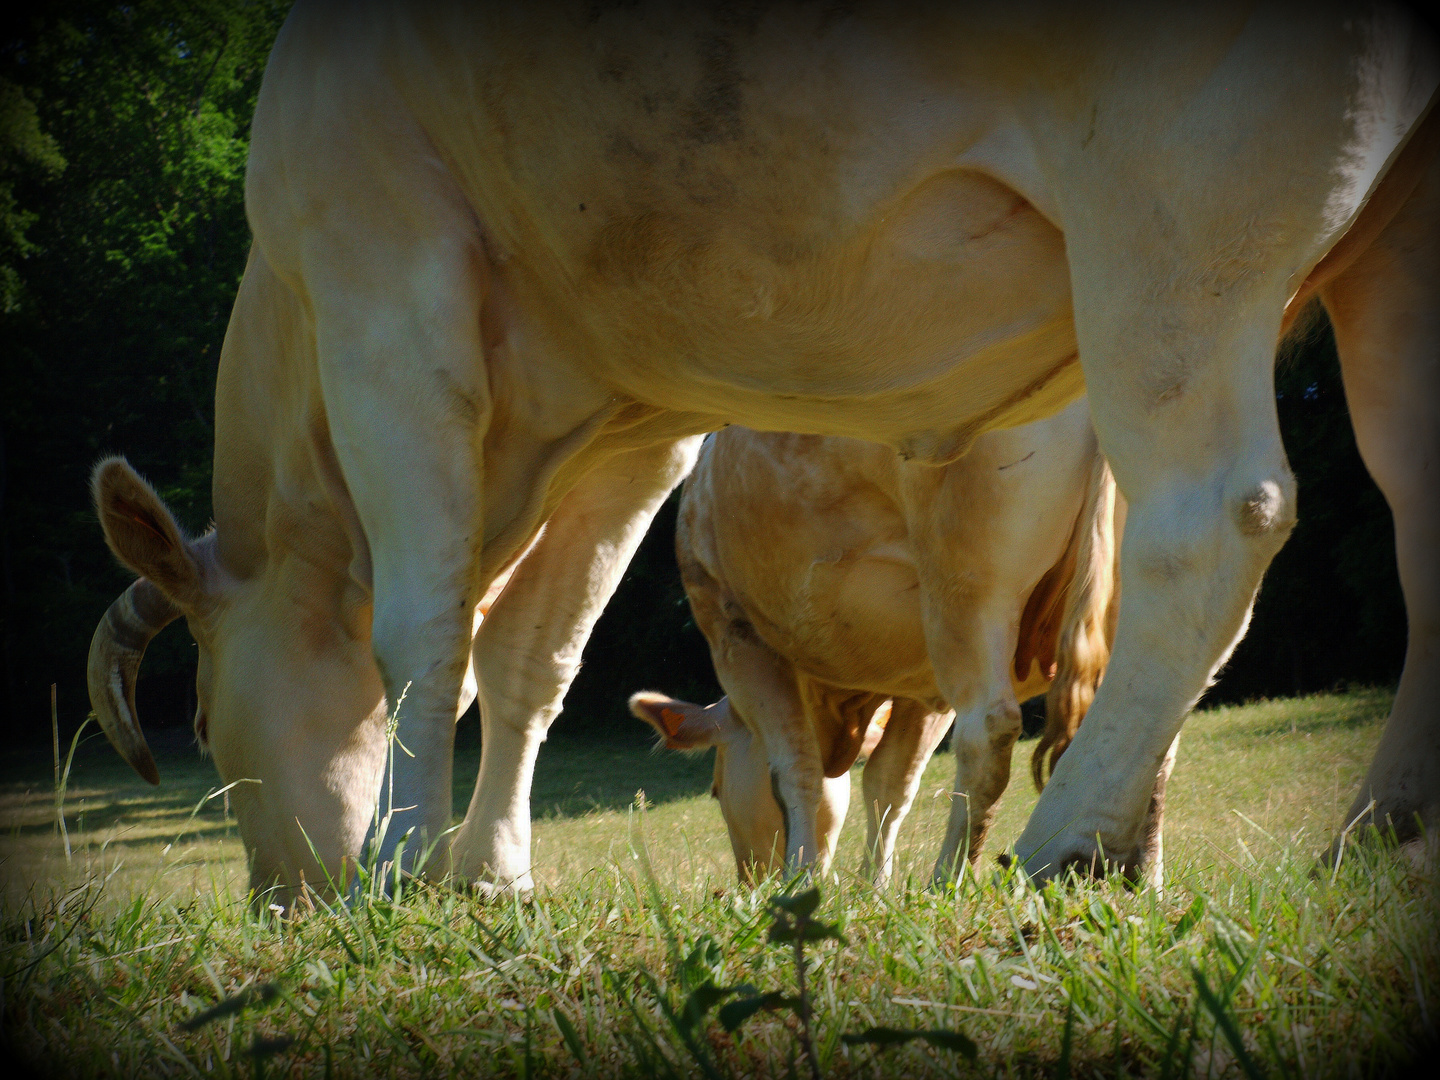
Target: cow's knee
[
  {"x": 409, "y": 649},
  {"x": 1264, "y": 511},
  {"x": 981, "y": 737}
]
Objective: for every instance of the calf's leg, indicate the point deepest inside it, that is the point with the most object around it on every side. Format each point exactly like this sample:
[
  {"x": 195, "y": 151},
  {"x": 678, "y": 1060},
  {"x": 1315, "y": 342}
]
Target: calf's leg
[{"x": 892, "y": 775}]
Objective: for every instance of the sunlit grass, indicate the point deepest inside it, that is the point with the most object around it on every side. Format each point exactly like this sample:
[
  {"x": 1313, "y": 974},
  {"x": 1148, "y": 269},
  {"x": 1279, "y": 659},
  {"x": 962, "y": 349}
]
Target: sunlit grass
[{"x": 1313, "y": 978}]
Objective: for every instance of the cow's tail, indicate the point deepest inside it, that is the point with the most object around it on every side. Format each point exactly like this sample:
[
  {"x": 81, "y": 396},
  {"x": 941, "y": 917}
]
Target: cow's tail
[{"x": 1087, "y": 628}]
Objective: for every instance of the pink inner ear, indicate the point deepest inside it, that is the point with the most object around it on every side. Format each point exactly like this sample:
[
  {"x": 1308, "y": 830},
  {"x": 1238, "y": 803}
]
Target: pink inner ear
[{"x": 671, "y": 720}]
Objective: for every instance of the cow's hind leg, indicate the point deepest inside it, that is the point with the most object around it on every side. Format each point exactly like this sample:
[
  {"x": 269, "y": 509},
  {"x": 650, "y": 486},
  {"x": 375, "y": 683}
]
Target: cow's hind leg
[
  {"x": 892, "y": 777},
  {"x": 529, "y": 647},
  {"x": 987, "y": 724},
  {"x": 1387, "y": 327}
]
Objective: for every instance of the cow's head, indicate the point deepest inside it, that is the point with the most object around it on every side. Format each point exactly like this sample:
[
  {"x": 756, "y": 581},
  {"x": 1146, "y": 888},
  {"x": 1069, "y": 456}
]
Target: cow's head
[
  {"x": 742, "y": 782},
  {"x": 290, "y": 700}
]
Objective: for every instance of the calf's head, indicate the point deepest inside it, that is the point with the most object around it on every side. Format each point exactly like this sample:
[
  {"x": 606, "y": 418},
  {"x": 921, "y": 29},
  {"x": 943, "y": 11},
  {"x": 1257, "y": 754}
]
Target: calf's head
[
  {"x": 742, "y": 781},
  {"x": 291, "y": 706}
]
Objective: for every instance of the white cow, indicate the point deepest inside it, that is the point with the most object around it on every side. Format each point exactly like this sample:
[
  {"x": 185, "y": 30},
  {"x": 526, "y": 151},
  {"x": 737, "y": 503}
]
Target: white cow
[
  {"x": 830, "y": 577},
  {"x": 510, "y": 258}
]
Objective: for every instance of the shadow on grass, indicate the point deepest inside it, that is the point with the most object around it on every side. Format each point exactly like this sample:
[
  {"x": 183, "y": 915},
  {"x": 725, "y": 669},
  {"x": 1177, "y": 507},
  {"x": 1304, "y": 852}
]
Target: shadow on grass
[{"x": 573, "y": 777}]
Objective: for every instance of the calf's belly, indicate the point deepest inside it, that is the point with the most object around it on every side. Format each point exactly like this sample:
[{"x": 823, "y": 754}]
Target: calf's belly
[{"x": 855, "y": 623}]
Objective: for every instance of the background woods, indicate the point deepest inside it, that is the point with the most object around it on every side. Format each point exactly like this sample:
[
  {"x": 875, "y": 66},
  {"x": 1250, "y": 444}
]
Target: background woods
[{"x": 123, "y": 135}]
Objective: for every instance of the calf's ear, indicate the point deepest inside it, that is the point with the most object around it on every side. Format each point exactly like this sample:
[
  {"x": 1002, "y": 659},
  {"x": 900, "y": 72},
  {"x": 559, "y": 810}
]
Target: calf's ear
[
  {"x": 143, "y": 534},
  {"x": 682, "y": 725}
]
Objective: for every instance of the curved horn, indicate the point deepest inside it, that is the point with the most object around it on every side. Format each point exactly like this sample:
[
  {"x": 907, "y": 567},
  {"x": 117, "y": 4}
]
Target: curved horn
[{"x": 140, "y": 613}]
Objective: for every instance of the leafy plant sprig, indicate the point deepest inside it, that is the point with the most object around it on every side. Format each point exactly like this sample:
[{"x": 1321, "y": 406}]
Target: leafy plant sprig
[{"x": 795, "y": 926}]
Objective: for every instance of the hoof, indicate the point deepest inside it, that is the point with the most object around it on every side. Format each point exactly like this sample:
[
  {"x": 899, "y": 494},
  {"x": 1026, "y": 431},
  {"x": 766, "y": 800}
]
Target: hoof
[
  {"x": 1088, "y": 864},
  {"x": 488, "y": 890}
]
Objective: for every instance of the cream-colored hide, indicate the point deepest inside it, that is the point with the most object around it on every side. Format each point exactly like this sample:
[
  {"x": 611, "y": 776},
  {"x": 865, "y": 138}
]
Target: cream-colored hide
[
  {"x": 829, "y": 577},
  {"x": 508, "y": 257}
]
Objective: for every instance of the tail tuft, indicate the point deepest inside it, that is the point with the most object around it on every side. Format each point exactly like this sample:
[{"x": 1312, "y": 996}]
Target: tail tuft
[{"x": 1088, "y": 628}]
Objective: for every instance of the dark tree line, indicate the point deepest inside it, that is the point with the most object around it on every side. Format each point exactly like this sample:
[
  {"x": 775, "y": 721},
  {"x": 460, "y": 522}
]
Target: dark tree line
[{"x": 123, "y": 134}]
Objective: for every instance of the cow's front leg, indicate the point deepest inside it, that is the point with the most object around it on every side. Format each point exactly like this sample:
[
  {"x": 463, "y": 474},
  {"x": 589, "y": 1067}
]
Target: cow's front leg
[
  {"x": 892, "y": 777},
  {"x": 529, "y": 647},
  {"x": 407, "y": 406},
  {"x": 1179, "y": 372}
]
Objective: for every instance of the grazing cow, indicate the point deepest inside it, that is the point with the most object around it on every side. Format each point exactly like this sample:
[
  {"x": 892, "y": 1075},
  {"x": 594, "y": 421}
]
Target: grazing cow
[
  {"x": 510, "y": 258},
  {"x": 829, "y": 577}
]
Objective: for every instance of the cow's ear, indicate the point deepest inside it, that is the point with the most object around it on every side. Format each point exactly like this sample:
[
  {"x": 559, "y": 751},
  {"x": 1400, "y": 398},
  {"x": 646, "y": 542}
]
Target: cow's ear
[
  {"x": 682, "y": 725},
  {"x": 143, "y": 534}
]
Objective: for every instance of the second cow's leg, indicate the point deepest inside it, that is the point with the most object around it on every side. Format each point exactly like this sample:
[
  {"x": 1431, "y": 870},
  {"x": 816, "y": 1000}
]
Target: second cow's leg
[
  {"x": 529, "y": 646},
  {"x": 892, "y": 777},
  {"x": 1387, "y": 327},
  {"x": 970, "y": 639},
  {"x": 763, "y": 690},
  {"x": 987, "y": 725}
]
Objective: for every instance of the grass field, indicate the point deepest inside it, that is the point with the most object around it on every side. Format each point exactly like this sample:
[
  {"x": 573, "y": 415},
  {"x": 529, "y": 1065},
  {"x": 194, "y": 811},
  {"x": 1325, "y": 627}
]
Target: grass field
[{"x": 1249, "y": 964}]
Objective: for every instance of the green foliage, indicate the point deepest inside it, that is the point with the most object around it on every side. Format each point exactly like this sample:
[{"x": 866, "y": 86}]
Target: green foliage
[
  {"x": 793, "y": 925},
  {"x": 233, "y": 1005},
  {"x": 1319, "y": 983},
  {"x": 22, "y": 143},
  {"x": 125, "y": 263}
]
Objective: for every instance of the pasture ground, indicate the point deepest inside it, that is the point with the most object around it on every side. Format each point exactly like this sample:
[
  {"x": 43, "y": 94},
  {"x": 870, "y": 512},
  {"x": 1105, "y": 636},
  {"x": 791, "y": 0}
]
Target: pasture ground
[{"x": 1251, "y": 963}]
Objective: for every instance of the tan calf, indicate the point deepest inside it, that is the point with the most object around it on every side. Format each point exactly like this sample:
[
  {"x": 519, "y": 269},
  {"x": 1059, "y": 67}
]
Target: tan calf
[{"x": 831, "y": 577}]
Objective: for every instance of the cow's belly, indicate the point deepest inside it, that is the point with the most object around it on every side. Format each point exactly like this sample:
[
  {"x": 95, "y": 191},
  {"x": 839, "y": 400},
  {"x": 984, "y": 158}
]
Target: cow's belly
[
  {"x": 947, "y": 312},
  {"x": 852, "y": 622}
]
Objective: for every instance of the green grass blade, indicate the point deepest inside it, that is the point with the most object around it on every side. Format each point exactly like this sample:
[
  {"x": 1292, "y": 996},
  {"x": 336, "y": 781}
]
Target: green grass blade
[
  {"x": 571, "y": 1037},
  {"x": 1227, "y": 1026}
]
